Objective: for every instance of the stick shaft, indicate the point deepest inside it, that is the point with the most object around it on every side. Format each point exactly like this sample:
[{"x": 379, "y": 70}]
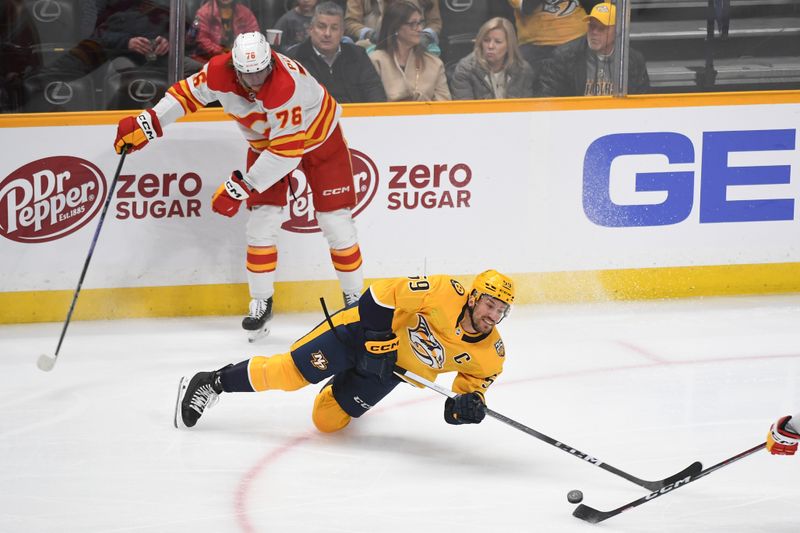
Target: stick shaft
[
  {"x": 650, "y": 485},
  {"x": 589, "y": 514},
  {"x": 91, "y": 250}
]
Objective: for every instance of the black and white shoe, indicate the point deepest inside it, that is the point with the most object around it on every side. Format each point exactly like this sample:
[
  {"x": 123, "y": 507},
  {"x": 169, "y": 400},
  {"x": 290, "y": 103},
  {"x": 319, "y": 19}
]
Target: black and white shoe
[
  {"x": 351, "y": 298},
  {"x": 256, "y": 322},
  {"x": 195, "y": 395}
]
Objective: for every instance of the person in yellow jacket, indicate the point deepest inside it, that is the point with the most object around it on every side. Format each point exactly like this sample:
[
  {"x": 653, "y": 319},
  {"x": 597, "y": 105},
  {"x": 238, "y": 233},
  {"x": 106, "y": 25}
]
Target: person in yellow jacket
[
  {"x": 544, "y": 24},
  {"x": 427, "y": 325}
]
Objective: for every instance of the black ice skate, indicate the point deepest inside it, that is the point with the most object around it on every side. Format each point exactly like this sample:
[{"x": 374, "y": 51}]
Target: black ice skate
[
  {"x": 195, "y": 396},
  {"x": 351, "y": 298},
  {"x": 256, "y": 322}
]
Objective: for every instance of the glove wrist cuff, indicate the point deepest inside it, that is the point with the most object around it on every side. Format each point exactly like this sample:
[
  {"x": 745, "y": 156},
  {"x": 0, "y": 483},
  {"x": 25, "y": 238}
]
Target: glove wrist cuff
[
  {"x": 236, "y": 187},
  {"x": 786, "y": 430},
  {"x": 378, "y": 347},
  {"x": 149, "y": 124}
]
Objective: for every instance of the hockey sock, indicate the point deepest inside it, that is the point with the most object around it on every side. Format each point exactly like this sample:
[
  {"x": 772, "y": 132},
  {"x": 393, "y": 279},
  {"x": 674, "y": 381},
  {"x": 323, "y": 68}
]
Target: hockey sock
[
  {"x": 234, "y": 378},
  {"x": 276, "y": 372},
  {"x": 347, "y": 263}
]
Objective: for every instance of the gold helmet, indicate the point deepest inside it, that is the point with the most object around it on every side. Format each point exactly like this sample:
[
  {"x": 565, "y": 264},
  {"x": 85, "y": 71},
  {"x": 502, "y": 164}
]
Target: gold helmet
[{"x": 494, "y": 284}]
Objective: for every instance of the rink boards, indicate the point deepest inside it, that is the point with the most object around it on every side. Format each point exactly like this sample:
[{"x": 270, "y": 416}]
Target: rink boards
[{"x": 579, "y": 199}]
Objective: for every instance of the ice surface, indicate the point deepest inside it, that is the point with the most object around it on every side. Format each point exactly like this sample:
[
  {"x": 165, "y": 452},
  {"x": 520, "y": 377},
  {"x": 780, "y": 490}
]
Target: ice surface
[{"x": 648, "y": 387}]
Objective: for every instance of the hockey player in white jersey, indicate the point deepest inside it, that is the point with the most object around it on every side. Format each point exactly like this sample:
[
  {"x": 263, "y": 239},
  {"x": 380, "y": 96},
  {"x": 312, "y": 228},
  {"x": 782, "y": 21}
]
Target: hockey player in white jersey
[{"x": 289, "y": 121}]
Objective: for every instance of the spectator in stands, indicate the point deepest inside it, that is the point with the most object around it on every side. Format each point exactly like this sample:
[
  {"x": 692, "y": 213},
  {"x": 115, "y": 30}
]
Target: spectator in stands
[
  {"x": 342, "y": 68},
  {"x": 136, "y": 33},
  {"x": 18, "y": 36},
  {"x": 406, "y": 70},
  {"x": 363, "y": 22},
  {"x": 544, "y": 24},
  {"x": 495, "y": 68},
  {"x": 586, "y": 67},
  {"x": 218, "y": 22},
  {"x": 130, "y": 34},
  {"x": 295, "y": 23}
]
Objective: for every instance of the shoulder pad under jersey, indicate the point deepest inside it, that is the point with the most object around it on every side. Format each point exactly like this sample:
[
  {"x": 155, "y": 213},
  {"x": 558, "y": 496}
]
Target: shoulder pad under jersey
[
  {"x": 280, "y": 86},
  {"x": 220, "y": 74}
]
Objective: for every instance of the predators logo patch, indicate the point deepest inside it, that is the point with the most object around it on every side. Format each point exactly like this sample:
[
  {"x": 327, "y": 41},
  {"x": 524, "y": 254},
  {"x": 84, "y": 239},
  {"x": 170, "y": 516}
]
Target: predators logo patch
[
  {"x": 459, "y": 288},
  {"x": 560, "y": 8},
  {"x": 426, "y": 347},
  {"x": 500, "y": 347},
  {"x": 319, "y": 361}
]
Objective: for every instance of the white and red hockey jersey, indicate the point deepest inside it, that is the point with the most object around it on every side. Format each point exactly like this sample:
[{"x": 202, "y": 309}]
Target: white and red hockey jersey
[{"x": 290, "y": 115}]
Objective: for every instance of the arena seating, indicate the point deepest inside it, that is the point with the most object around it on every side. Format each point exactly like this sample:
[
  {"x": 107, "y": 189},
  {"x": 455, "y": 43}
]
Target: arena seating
[
  {"x": 134, "y": 89},
  {"x": 53, "y": 92},
  {"x": 689, "y": 47}
]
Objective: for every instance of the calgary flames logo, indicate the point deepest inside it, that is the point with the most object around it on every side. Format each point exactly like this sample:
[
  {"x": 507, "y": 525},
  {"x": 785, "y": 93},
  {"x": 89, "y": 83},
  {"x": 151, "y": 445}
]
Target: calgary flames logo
[
  {"x": 426, "y": 347},
  {"x": 302, "y": 218},
  {"x": 50, "y": 198}
]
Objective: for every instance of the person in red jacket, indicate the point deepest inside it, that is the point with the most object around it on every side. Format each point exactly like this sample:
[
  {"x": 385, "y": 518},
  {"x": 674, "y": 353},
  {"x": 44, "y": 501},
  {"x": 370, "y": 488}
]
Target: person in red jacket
[{"x": 218, "y": 22}]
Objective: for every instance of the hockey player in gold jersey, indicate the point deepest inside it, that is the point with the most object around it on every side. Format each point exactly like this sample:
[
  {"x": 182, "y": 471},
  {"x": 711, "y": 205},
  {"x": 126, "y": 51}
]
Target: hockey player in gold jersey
[{"x": 427, "y": 325}]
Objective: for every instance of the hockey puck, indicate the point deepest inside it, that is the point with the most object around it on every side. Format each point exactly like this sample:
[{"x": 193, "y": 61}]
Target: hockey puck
[{"x": 574, "y": 496}]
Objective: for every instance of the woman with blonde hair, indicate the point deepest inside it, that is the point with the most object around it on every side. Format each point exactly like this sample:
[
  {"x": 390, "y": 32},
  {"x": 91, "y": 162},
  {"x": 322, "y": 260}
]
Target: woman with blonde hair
[
  {"x": 406, "y": 70},
  {"x": 495, "y": 68}
]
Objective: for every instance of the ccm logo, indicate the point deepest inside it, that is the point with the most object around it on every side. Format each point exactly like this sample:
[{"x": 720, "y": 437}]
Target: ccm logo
[
  {"x": 381, "y": 347},
  {"x": 578, "y": 454},
  {"x": 337, "y": 190},
  {"x": 668, "y": 488},
  {"x": 721, "y": 196}
]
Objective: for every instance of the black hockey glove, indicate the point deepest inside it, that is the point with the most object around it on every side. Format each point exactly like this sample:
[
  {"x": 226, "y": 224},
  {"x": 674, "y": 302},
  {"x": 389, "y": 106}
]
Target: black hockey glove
[
  {"x": 464, "y": 409},
  {"x": 379, "y": 354}
]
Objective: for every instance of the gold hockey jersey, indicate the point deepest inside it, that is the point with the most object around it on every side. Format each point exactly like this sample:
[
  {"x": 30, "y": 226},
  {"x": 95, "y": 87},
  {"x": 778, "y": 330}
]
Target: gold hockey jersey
[{"x": 427, "y": 313}]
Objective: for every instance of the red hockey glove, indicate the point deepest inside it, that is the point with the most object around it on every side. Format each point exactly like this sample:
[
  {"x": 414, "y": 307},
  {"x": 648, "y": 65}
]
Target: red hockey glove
[
  {"x": 780, "y": 439},
  {"x": 135, "y": 132},
  {"x": 229, "y": 195}
]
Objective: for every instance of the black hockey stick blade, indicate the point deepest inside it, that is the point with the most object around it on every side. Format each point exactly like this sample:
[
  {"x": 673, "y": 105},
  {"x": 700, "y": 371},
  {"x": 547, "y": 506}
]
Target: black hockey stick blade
[
  {"x": 593, "y": 516},
  {"x": 691, "y": 470}
]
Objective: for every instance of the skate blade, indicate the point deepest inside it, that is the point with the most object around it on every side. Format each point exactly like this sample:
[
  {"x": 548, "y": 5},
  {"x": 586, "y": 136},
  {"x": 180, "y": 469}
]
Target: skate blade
[
  {"x": 177, "y": 419},
  {"x": 258, "y": 334}
]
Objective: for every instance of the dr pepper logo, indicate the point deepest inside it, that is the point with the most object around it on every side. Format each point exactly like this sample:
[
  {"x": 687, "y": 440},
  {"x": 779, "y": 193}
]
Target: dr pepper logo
[
  {"x": 302, "y": 218},
  {"x": 50, "y": 198}
]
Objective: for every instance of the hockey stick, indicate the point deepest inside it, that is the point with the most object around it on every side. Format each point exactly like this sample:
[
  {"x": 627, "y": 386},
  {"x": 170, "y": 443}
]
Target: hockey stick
[
  {"x": 46, "y": 362},
  {"x": 691, "y": 470},
  {"x": 591, "y": 515}
]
